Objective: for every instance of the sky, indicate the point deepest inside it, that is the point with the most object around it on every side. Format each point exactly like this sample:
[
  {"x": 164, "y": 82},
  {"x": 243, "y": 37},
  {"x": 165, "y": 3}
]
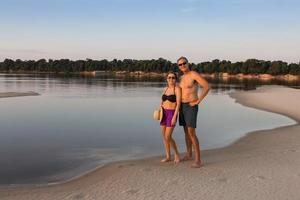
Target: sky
[{"x": 201, "y": 30}]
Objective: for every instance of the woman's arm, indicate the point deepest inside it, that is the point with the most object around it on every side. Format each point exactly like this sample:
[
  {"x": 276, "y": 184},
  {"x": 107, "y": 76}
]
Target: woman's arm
[{"x": 161, "y": 102}]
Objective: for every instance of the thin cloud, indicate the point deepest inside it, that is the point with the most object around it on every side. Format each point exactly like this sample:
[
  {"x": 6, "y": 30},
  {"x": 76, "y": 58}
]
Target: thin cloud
[
  {"x": 189, "y": 10},
  {"x": 22, "y": 51}
]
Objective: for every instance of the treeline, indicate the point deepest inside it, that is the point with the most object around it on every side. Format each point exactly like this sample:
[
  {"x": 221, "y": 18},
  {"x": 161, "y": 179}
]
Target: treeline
[{"x": 250, "y": 66}]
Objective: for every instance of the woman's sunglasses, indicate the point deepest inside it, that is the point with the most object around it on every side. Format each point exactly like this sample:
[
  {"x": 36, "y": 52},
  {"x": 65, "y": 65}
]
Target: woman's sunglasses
[{"x": 171, "y": 77}]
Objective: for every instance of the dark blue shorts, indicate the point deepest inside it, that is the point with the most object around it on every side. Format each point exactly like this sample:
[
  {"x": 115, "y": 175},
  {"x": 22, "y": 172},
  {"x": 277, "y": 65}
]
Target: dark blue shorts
[{"x": 188, "y": 115}]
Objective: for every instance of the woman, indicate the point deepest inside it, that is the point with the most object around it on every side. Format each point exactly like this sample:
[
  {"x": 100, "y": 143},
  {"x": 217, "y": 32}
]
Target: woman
[{"x": 170, "y": 103}]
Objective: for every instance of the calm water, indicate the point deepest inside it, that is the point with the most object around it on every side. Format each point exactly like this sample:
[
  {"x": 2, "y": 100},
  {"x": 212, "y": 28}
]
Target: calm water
[{"x": 79, "y": 123}]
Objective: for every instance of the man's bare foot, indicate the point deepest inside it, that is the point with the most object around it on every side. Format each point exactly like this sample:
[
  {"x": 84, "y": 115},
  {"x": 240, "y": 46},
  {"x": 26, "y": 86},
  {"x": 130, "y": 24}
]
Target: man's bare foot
[
  {"x": 165, "y": 160},
  {"x": 186, "y": 157},
  {"x": 176, "y": 159},
  {"x": 196, "y": 164}
]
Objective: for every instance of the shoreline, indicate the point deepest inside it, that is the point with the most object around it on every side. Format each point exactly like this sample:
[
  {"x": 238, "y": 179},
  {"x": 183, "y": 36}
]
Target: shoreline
[
  {"x": 217, "y": 163},
  {"x": 17, "y": 94}
]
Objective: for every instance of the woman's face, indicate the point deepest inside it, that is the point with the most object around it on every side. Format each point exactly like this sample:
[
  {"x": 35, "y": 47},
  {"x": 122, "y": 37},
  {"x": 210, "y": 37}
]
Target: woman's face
[{"x": 171, "y": 79}]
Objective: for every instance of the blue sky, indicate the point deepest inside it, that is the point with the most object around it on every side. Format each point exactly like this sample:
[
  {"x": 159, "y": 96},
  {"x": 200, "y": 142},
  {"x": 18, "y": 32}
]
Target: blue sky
[{"x": 201, "y": 30}]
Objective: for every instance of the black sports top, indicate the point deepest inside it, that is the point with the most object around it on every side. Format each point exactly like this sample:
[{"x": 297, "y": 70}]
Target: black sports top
[{"x": 171, "y": 98}]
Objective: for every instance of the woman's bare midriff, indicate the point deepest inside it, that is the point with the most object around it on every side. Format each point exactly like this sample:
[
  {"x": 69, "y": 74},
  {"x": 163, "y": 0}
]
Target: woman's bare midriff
[{"x": 169, "y": 105}]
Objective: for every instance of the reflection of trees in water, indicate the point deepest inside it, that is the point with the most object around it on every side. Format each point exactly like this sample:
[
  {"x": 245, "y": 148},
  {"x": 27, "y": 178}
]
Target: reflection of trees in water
[
  {"x": 246, "y": 84},
  {"x": 109, "y": 80}
]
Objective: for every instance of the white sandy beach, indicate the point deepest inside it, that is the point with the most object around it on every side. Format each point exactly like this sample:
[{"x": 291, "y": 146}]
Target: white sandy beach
[
  {"x": 17, "y": 94},
  {"x": 262, "y": 165}
]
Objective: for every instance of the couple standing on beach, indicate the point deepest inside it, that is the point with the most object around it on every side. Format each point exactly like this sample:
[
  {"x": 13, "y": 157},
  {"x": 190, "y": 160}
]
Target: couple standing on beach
[{"x": 182, "y": 99}]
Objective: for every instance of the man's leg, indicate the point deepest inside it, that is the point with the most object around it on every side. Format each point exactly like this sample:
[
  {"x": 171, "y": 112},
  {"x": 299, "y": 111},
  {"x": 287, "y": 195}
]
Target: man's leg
[
  {"x": 195, "y": 144},
  {"x": 188, "y": 142},
  {"x": 188, "y": 154}
]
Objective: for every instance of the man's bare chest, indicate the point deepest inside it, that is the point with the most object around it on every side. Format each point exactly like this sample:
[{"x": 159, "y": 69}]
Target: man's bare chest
[{"x": 187, "y": 82}]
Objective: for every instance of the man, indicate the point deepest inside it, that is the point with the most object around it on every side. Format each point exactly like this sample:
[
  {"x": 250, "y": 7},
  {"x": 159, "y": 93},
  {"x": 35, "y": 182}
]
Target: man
[{"x": 189, "y": 83}]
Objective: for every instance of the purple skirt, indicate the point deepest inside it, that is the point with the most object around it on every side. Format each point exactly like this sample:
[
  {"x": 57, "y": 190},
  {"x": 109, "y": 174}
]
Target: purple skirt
[{"x": 167, "y": 117}]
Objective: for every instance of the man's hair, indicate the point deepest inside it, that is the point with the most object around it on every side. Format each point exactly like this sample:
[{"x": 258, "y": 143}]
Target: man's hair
[{"x": 182, "y": 57}]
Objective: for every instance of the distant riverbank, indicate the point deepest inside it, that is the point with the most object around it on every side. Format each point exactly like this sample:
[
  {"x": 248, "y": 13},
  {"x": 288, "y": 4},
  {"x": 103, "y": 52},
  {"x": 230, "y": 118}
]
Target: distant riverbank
[{"x": 223, "y": 76}]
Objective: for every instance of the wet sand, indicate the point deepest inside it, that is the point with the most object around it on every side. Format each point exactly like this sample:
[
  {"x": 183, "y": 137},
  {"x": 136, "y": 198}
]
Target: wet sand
[
  {"x": 263, "y": 165},
  {"x": 17, "y": 94}
]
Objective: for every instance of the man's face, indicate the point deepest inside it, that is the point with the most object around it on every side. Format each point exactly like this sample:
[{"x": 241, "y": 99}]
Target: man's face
[{"x": 183, "y": 65}]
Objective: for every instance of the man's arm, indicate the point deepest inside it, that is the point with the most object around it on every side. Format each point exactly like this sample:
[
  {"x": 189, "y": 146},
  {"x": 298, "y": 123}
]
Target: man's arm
[{"x": 203, "y": 84}]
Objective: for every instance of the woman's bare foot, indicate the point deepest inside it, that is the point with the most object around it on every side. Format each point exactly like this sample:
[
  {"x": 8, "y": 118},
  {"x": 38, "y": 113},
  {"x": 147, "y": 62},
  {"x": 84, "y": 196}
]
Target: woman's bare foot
[
  {"x": 165, "y": 160},
  {"x": 176, "y": 159},
  {"x": 186, "y": 157},
  {"x": 196, "y": 164}
]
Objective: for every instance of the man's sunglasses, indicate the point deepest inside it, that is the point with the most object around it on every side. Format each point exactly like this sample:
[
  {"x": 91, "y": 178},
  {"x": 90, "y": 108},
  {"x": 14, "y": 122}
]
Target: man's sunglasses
[{"x": 181, "y": 64}]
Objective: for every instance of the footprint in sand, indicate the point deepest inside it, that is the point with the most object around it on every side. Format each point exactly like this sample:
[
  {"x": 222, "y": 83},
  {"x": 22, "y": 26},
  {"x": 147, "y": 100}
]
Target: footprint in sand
[
  {"x": 223, "y": 180},
  {"x": 258, "y": 177},
  {"x": 147, "y": 170},
  {"x": 171, "y": 182},
  {"x": 131, "y": 191},
  {"x": 79, "y": 196},
  {"x": 261, "y": 177},
  {"x": 126, "y": 165},
  {"x": 289, "y": 151}
]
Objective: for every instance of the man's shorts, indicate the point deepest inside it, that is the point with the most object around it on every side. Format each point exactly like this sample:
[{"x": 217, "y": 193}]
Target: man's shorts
[{"x": 188, "y": 115}]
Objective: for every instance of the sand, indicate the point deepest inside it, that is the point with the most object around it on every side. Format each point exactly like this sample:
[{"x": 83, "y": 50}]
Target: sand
[
  {"x": 17, "y": 94},
  {"x": 262, "y": 165}
]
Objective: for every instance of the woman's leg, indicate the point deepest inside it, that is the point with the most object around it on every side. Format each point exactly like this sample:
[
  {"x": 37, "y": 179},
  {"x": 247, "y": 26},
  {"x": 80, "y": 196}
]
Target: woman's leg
[
  {"x": 170, "y": 140},
  {"x": 167, "y": 150}
]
